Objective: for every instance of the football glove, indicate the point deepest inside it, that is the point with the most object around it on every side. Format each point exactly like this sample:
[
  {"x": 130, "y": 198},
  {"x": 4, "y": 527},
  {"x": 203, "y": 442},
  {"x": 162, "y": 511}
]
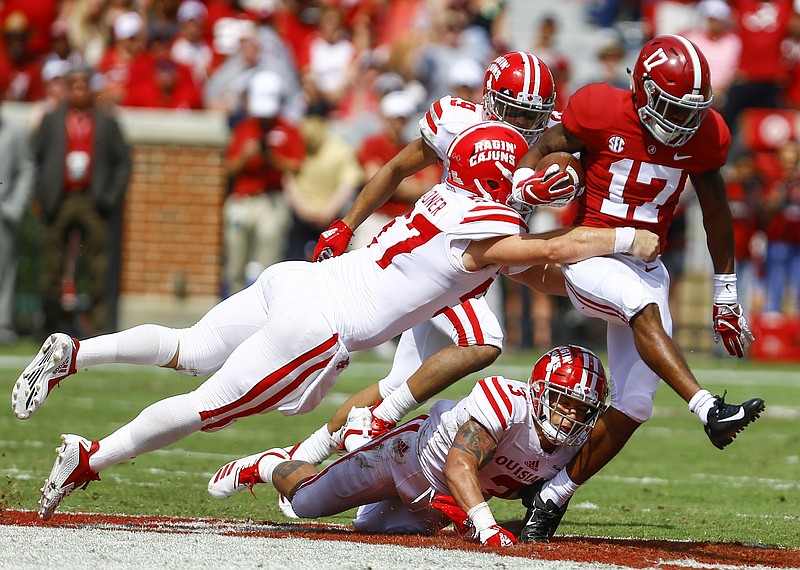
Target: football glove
[
  {"x": 538, "y": 188},
  {"x": 448, "y": 507},
  {"x": 731, "y": 326},
  {"x": 496, "y": 535},
  {"x": 333, "y": 241}
]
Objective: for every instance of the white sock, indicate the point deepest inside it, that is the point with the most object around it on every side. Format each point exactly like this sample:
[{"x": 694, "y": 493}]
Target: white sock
[
  {"x": 559, "y": 489},
  {"x": 701, "y": 403},
  {"x": 396, "y": 405},
  {"x": 144, "y": 344},
  {"x": 316, "y": 448},
  {"x": 157, "y": 426}
]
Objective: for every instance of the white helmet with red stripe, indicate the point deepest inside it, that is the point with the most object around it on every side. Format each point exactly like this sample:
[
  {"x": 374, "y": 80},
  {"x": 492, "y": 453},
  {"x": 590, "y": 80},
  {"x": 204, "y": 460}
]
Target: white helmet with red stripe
[
  {"x": 671, "y": 84},
  {"x": 482, "y": 158},
  {"x": 519, "y": 90},
  {"x": 568, "y": 390}
]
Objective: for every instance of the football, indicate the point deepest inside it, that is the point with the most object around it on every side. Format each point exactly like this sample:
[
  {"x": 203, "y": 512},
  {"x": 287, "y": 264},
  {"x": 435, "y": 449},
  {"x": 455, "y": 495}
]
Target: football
[{"x": 566, "y": 163}]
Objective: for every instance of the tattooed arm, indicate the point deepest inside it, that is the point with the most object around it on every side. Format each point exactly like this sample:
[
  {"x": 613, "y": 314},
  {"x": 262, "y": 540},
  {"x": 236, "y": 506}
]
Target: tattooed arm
[{"x": 472, "y": 448}]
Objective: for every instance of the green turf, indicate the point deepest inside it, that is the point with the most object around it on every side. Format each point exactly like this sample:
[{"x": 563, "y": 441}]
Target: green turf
[{"x": 669, "y": 482}]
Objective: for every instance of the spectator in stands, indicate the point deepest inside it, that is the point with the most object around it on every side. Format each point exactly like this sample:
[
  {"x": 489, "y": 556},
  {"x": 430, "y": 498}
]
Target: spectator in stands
[
  {"x": 610, "y": 66},
  {"x": 760, "y": 75},
  {"x": 745, "y": 187},
  {"x": 782, "y": 209},
  {"x": 24, "y": 81},
  {"x": 545, "y": 46},
  {"x": 83, "y": 165},
  {"x": 721, "y": 46},
  {"x": 396, "y": 109},
  {"x": 190, "y": 46},
  {"x": 16, "y": 190},
  {"x": 87, "y": 30},
  {"x": 332, "y": 58},
  {"x": 465, "y": 79},
  {"x": 323, "y": 186},
  {"x": 115, "y": 65},
  {"x": 264, "y": 149},
  {"x": 160, "y": 81},
  {"x": 60, "y": 48}
]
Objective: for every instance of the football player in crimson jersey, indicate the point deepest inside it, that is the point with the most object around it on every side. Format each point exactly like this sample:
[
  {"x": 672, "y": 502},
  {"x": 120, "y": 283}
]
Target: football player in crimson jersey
[
  {"x": 281, "y": 343},
  {"x": 519, "y": 91},
  {"x": 437, "y": 469},
  {"x": 638, "y": 153}
]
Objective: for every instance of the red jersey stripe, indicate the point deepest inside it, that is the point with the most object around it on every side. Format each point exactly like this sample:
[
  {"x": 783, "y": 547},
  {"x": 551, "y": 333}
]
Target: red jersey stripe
[{"x": 493, "y": 402}]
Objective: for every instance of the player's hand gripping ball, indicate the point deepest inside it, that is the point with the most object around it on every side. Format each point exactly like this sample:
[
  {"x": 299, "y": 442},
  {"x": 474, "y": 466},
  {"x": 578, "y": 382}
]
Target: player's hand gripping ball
[{"x": 558, "y": 178}]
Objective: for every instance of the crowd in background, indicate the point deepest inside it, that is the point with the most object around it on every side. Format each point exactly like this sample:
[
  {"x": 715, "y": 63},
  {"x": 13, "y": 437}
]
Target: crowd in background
[{"x": 318, "y": 94}]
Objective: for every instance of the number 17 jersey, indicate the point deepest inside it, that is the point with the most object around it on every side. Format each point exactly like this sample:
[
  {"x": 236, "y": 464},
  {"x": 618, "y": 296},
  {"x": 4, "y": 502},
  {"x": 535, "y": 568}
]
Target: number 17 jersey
[{"x": 631, "y": 178}]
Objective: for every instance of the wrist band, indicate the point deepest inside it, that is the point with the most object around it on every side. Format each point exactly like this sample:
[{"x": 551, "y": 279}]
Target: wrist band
[
  {"x": 623, "y": 240},
  {"x": 725, "y": 289},
  {"x": 481, "y": 516}
]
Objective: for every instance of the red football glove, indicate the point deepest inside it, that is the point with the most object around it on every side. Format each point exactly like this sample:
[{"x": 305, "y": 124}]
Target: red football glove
[
  {"x": 496, "y": 535},
  {"x": 539, "y": 188},
  {"x": 731, "y": 326},
  {"x": 447, "y": 505},
  {"x": 333, "y": 241}
]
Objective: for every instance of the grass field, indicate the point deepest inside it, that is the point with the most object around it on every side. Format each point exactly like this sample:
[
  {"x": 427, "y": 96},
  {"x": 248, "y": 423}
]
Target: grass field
[{"x": 669, "y": 482}]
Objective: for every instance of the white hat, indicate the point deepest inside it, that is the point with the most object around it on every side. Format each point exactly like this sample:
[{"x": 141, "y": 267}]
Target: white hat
[
  {"x": 191, "y": 10},
  {"x": 54, "y": 68},
  {"x": 465, "y": 72},
  {"x": 398, "y": 104},
  {"x": 717, "y": 9},
  {"x": 264, "y": 94},
  {"x": 127, "y": 25}
]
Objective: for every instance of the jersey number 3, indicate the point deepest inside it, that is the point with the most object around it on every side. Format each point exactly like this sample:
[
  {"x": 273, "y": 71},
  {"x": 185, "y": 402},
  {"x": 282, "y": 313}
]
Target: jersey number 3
[{"x": 620, "y": 170}]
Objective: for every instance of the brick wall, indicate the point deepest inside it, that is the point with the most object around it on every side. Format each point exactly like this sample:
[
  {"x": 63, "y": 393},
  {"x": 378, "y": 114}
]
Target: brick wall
[{"x": 172, "y": 235}]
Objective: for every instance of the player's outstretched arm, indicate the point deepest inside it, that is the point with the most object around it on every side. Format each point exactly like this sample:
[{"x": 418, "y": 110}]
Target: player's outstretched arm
[
  {"x": 564, "y": 245},
  {"x": 414, "y": 157},
  {"x": 472, "y": 448}
]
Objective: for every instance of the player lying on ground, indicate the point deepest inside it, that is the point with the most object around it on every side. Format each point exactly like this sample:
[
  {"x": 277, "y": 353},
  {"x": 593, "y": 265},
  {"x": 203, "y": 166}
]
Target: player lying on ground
[
  {"x": 435, "y": 469},
  {"x": 281, "y": 343},
  {"x": 638, "y": 154}
]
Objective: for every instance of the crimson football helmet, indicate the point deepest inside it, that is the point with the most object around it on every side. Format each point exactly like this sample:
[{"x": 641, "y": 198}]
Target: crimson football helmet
[
  {"x": 671, "y": 84},
  {"x": 482, "y": 158},
  {"x": 519, "y": 90},
  {"x": 566, "y": 377}
]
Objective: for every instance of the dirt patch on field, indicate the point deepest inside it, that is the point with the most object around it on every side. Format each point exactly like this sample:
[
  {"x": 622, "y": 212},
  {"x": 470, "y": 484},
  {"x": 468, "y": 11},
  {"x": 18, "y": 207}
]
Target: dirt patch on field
[{"x": 628, "y": 553}]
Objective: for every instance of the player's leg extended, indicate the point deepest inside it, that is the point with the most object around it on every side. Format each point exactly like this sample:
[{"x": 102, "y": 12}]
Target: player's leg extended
[{"x": 197, "y": 350}]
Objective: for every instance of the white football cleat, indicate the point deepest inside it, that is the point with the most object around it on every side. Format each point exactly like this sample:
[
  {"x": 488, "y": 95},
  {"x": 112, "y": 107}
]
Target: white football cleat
[
  {"x": 355, "y": 432},
  {"x": 54, "y": 362},
  {"x": 242, "y": 474},
  {"x": 70, "y": 471}
]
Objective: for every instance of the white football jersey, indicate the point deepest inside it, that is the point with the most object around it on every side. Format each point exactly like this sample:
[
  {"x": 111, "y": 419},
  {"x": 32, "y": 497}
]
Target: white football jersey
[
  {"x": 413, "y": 269},
  {"x": 501, "y": 406},
  {"x": 445, "y": 119}
]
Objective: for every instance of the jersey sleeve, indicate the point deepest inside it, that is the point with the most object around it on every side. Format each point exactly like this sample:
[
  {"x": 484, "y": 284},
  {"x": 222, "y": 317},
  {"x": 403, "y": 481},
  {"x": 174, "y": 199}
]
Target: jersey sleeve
[
  {"x": 492, "y": 403},
  {"x": 446, "y": 118},
  {"x": 582, "y": 117},
  {"x": 487, "y": 220}
]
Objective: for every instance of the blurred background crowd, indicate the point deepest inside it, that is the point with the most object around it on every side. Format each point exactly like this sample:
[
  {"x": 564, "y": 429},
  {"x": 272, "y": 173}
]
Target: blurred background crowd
[{"x": 316, "y": 96}]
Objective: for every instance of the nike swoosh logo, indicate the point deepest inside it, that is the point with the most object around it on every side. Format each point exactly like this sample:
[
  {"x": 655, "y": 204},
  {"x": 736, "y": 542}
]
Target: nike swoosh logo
[
  {"x": 737, "y": 416},
  {"x": 679, "y": 157},
  {"x": 649, "y": 269}
]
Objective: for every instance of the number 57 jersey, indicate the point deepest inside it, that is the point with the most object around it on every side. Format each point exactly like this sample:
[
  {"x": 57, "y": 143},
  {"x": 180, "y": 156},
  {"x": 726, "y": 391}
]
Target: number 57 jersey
[{"x": 413, "y": 268}]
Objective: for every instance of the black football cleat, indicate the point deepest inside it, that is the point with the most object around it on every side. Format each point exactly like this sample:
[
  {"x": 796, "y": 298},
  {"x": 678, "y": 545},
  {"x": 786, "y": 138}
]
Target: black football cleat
[
  {"x": 542, "y": 519},
  {"x": 726, "y": 420}
]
